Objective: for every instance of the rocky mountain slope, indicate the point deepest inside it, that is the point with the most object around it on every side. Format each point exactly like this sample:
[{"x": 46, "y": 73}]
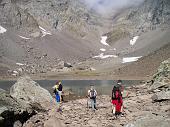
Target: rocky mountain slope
[
  {"x": 45, "y": 31},
  {"x": 41, "y": 35}
]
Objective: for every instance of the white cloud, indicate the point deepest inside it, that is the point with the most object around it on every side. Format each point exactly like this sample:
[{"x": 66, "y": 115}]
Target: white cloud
[{"x": 110, "y": 6}]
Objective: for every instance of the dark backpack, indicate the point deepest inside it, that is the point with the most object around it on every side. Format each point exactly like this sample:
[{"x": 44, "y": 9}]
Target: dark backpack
[
  {"x": 60, "y": 88},
  {"x": 116, "y": 89},
  {"x": 92, "y": 94}
]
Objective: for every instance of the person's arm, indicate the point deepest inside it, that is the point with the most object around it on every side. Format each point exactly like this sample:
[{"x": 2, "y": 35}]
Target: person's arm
[
  {"x": 88, "y": 93},
  {"x": 96, "y": 92}
]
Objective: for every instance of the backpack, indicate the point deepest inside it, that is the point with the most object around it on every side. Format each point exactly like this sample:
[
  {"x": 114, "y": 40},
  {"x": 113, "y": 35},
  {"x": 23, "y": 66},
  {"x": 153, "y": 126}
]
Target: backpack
[
  {"x": 92, "y": 94},
  {"x": 116, "y": 91},
  {"x": 60, "y": 87}
]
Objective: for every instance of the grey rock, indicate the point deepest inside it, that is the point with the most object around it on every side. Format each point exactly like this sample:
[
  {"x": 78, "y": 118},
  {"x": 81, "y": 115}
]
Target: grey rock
[
  {"x": 67, "y": 65},
  {"x": 157, "y": 85},
  {"x": 7, "y": 103},
  {"x": 163, "y": 71},
  {"x": 17, "y": 124},
  {"x": 30, "y": 95},
  {"x": 3, "y": 109},
  {"x": 164, "y": 95},
  {"x": 150, "y": 121}
]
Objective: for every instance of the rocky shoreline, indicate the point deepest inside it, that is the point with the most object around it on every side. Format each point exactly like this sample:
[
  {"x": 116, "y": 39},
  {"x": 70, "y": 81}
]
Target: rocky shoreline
[
  {"x": 140, "y": 110},
  {"x": 29, "y": 105}
]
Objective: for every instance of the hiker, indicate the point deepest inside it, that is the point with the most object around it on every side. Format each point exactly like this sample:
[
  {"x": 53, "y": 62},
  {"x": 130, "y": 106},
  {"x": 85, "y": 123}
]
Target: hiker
[
  {"x": 57, "y": 92},
  {"x": 60, "y": 91},
  {"x": 117, "y": 98},
  {"x": 92, "y": 93}
]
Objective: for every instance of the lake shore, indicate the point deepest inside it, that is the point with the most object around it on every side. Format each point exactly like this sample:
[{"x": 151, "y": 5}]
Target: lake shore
[{"x": 137, "y": 105}]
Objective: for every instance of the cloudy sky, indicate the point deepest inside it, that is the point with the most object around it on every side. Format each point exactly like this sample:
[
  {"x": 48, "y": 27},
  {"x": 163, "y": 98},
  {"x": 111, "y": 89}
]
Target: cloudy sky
[{"x": 108, "y": 6}]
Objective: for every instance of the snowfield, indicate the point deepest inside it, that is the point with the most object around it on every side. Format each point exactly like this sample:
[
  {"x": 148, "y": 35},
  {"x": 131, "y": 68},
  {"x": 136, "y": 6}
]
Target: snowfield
[
  {"x": 133, "y": 41},
  {"x": 2, "y": 30},
  {"x": 103, "y": 40},
  {"x": 102, "y": 56},
  {"x": 44, "y": 32},
  {"x": 24, "y": 37},
  {"x": 130, "y": 59},
  {"x": 103, "y": 50}
]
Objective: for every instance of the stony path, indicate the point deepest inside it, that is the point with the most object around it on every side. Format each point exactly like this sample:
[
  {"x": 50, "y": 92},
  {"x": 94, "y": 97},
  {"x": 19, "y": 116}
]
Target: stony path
[{"x": 76, "y": 114}]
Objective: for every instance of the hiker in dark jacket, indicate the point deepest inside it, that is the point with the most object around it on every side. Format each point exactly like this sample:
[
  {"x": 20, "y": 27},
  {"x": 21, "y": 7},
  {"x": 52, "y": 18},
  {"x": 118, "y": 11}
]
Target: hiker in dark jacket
[
  {"x": 117, "y": 100},
  {"x": 92, "y": 93},
  {"x": 58, "y": 91}
]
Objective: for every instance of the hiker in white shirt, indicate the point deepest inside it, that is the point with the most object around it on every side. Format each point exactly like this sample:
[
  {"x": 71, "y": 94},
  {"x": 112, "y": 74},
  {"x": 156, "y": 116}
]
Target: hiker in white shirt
[{"x": 92, "y": 93}]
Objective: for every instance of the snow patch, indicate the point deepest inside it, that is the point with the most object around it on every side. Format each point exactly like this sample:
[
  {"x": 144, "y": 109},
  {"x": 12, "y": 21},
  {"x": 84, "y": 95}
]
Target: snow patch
[
  {"x": 102, "y": 56},
  {"x": 130, "y": 59},
  {"x": 103, "y": 50},
  {"x": 2, "y": 30},
  {"x": 103, "y": 40},
  {"x": 44, "y": 31},
  {"x": 133, "y": 41},
  {"x": 20, "y": 64},
  {"x": 15, "y": 72},
  {"x": 114, "y": 49},
  {"x": 92, "y": 69},
  {"x": 24, "y": 37}
]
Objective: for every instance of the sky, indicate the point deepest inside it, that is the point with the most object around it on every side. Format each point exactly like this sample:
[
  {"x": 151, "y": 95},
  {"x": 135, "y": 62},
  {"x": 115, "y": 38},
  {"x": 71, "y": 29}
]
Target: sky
[{"x": 110, "y": 6}]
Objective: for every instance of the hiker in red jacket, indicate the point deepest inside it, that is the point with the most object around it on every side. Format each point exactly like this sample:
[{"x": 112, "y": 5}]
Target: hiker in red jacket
[{"x": 117, "y": 100}]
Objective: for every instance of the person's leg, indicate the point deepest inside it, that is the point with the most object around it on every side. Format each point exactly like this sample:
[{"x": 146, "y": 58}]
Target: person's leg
[
  {"x": 60, "y": 92},
  {"x": 57, "y": 103},
  {"x": 113, "y": 109},
  {"x": 92, "y": 103},
  {"x": 88, "y": 102},
  {"x": 118, "y": 109},
  {"x": 95, "y": 103}
]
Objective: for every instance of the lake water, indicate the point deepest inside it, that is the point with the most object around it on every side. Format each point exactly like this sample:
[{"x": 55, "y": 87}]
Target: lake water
[{"x": 79, "y": 87}]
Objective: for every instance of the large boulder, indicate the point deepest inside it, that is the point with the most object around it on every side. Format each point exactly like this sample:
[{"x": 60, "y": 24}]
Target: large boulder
[
  {"x": 159, "y": 85},
  {"x": 163, "y": 95},
  {"x": 30, "y": 95},
  {"x": 163, "y": 71},
  {"x": 10, "y": 110},
  {"x": 161, "y": 80},
  {"x": 150, "y": 121},
  {"x": 7, "y": 103}
]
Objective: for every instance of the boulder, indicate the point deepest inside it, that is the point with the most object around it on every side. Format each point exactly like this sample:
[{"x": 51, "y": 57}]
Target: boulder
[
  {"x": 150, "y": 121},
  {"x": 163, "y": 71},
  {"x": 10, "y": 110},
  {"x": 157, "y": 85},
  {"x": 67, "y": 65},
  {"x": 7, "y": 103},
  {"x": 163, "y": 95},
  {"x": 30, "y": 95}
]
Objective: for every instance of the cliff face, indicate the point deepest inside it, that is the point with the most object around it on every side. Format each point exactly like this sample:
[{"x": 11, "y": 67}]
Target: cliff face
[
  {"x": 65, "y": 22},
  {"x": 149, "y": 16},
  {"x": 54, "y": 15}
]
